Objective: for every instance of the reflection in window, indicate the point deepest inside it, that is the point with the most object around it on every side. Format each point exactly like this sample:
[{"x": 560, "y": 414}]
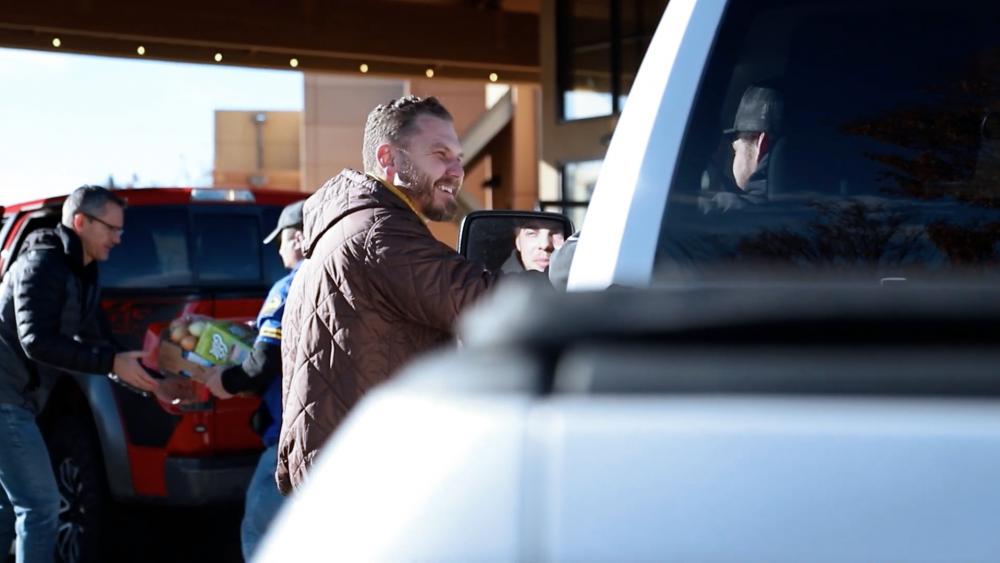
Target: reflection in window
[
  {"x": 584, "y": 38},
  {"x": 639, "y": 19},
  {"x": 600, "y": 44},
  {"x": 578, "y": 181}
]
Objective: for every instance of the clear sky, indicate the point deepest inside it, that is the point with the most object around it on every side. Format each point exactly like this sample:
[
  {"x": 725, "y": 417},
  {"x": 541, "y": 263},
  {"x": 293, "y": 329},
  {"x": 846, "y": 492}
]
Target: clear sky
[{"x": 68, "y": 120}]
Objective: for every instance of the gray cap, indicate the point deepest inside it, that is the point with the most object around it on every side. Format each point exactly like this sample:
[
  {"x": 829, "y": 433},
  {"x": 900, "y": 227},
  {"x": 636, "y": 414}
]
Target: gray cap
[
  {"x": 761, "y": 109},
  {"x": 291, "y": 216}
]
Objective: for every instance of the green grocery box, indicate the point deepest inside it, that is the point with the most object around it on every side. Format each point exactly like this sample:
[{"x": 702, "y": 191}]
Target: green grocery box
[{"x": 223, "y": 343}]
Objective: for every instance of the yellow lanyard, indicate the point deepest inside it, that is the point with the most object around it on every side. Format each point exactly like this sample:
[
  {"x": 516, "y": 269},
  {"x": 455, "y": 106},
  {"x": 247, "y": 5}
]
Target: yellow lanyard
[{"x": 399, "y": 193}]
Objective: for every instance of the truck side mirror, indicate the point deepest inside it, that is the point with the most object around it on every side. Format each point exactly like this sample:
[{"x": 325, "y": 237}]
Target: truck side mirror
[{"x": 512, "y": 240}]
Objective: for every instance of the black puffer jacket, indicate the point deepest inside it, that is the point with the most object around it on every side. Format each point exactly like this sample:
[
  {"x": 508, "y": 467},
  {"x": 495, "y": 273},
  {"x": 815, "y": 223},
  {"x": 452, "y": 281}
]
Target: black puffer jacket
[{"x": 49, "y": 318}]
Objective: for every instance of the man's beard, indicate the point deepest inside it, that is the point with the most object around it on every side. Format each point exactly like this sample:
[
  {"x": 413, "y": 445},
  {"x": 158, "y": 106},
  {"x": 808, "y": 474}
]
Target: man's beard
[{"x": 422, "y": 190}]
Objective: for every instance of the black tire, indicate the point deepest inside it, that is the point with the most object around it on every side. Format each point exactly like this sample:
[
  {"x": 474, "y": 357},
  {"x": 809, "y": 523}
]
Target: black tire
[{"x": 84, "y": 501}]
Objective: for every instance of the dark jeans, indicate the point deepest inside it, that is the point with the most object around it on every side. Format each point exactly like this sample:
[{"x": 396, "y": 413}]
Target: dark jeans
[
  {"x": 29, "y": 496},
  {"x": 263, "y": 502}
]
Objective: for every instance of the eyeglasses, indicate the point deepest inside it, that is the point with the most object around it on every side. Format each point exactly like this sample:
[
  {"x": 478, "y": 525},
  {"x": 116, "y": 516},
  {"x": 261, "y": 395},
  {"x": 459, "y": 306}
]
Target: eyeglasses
[{"x": 113, "y": 228}]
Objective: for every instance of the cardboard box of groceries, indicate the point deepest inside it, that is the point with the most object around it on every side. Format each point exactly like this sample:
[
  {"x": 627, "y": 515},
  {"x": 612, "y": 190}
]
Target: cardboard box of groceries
[
  {"x": 192, "y": 344},
  {"x": 174, "y": 360}
]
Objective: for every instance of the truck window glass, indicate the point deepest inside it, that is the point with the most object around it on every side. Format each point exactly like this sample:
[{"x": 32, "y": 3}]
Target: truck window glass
[
  {"x": 879, "y": 164},
  {"x": 227, "y": 248},
  {"x": 153, "y": 251}
]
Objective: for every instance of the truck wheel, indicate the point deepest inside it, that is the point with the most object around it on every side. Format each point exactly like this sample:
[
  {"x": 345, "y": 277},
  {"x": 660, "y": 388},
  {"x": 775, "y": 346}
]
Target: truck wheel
[{"x": 83, "y": 496}]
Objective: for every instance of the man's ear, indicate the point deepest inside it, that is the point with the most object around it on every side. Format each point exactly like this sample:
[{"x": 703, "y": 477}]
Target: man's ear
[
  {"x": 383, "y": 155},
  {"x": 763, "y": 145},
  {"x": 78, "y": 219}
]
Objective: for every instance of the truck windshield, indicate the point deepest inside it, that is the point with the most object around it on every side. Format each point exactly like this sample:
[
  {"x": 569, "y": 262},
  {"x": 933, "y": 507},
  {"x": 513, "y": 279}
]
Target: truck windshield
[
  {"x": 845, "y": 135},
  {"x": 171, "y": 246}
]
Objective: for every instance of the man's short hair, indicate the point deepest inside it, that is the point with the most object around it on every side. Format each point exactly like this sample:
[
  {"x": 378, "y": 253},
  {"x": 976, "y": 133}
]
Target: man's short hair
[
  {"x": 394, "y": 122},
  {"x": 89, "y": 200},
  {"x": 537, "y": 223}
]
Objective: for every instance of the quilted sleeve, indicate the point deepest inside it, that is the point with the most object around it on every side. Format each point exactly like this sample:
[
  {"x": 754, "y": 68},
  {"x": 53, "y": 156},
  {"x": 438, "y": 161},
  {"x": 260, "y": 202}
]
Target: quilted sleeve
[{"x": 421, "y": 278}]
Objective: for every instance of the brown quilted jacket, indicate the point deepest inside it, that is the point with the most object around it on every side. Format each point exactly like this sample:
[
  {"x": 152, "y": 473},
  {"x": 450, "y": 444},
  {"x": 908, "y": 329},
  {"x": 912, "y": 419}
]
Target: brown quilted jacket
[{"x": 376, "y": 289}]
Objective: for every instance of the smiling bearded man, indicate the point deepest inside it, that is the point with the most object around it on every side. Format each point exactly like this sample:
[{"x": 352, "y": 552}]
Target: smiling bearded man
[
  {"x": 421, "y": 188},
  {"x": 376, "y": 288}
]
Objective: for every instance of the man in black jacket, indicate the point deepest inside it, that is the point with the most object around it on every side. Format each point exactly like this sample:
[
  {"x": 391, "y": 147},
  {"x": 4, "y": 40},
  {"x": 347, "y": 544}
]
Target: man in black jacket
[{"x": 49, "y": 323}]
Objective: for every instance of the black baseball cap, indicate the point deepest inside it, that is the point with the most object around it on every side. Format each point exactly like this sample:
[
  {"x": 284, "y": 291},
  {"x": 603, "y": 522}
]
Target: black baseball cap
[
  {"x": 291, "y": 216},
  {"x": 761, "y": 109}
]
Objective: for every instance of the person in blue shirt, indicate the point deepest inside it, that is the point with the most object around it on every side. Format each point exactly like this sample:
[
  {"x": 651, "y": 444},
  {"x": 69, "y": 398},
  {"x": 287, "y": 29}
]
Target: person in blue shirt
[{"x": 260, "y": 374}]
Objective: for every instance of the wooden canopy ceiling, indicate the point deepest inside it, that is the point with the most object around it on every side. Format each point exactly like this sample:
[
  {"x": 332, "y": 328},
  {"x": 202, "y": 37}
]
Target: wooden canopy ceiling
[{"x": 467, "y": 39}]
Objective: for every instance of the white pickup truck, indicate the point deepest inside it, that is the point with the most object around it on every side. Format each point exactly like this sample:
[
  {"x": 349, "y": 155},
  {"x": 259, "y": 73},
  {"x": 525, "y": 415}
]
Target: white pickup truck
[{"x": 669, "y": 407}]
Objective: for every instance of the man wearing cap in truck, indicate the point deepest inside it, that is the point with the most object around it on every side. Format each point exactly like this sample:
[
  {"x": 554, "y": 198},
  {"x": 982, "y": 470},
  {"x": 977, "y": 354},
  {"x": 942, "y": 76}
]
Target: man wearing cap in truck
[{"x": 755, "y": 132}]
